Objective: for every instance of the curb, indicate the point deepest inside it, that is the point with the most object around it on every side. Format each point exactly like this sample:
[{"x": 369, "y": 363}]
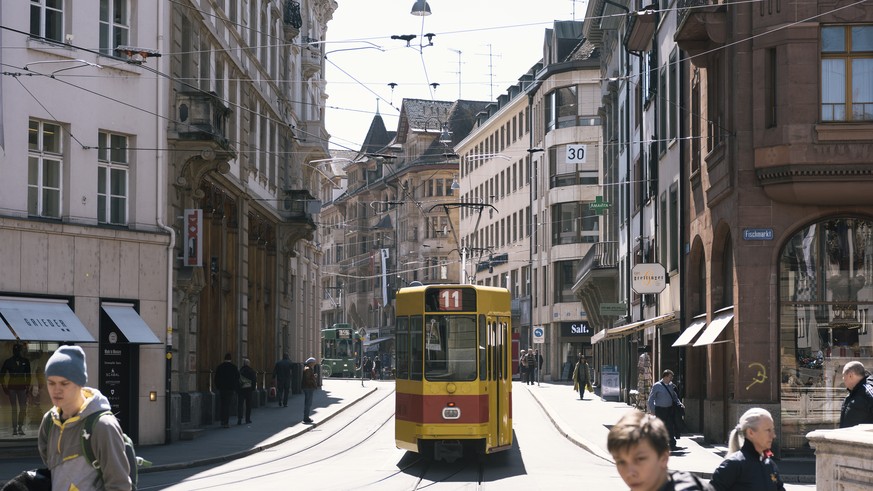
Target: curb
[
  {"x": 221, "y": 459},
  {"x": 586, "y": 445}
]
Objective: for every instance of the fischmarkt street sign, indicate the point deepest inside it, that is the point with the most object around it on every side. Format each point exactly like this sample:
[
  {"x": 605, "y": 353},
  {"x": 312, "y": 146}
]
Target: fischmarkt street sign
[
  {"x": 614, "y": 309},
  {"x": 648, "y": 278}
]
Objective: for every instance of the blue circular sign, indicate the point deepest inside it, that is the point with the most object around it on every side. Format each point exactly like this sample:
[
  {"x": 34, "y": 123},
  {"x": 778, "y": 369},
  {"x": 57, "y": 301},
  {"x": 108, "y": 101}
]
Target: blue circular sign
[{"x": 538, "y": 332}]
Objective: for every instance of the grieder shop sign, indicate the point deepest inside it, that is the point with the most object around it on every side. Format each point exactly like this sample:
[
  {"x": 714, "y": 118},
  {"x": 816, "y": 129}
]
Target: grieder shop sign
[{"x": 648, "y": 278}]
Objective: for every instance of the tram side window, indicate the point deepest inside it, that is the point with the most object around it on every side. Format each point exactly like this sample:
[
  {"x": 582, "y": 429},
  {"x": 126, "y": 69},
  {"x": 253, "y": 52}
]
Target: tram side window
[
  {"x": 416, "y": 357},
  {"x": 484, "y": 329},
  {"x": 402, "y": 348},
  {"x": 450, "y": 347},
  {"x": 502, "y": 337}
]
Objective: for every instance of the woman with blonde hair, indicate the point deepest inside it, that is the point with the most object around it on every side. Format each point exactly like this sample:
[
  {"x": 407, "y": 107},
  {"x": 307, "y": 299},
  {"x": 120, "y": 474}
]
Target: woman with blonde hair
[{"x": 749, "y": 465}]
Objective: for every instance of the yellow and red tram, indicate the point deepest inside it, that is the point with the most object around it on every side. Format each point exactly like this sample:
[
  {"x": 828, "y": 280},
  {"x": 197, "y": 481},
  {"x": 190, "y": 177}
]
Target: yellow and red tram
[{"x": 454, "y": 370}]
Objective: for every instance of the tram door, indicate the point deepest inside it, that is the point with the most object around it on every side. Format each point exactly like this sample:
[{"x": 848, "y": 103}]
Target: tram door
[{"x": 499, "y": 380}]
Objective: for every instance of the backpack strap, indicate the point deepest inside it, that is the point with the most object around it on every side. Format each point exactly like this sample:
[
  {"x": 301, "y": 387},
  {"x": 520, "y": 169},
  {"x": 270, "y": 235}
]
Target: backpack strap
[
  {"x": 45, "y": 427},
  {"x": 87, "y": 431}
]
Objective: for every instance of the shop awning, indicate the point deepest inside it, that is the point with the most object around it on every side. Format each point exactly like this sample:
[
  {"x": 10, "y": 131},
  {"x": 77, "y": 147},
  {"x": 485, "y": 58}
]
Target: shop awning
[
  {"x": 598, "y": 336},
  {"x": 691, "y": 332},
  {"x": 130, "y": 324},
  {"x": 621, "y": 331},
  {"x": 722, "y": 319},
  {"x": 43, "y": 320}
]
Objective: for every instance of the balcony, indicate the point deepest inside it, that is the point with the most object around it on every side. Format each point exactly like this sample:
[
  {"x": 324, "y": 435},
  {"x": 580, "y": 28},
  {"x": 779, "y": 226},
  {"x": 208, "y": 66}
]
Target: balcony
[
  {"x": 597, "y": 279},
  {"x": 200, "y": 118},
  {"x": 297, "y": 210},
  {"x": 312, "y": 138},
  {"x": 310, "y": 58},
  {"x": 291, "y": 20},
  {"x": 701, "y": 27},
  {"x": 641, "y": 29}
]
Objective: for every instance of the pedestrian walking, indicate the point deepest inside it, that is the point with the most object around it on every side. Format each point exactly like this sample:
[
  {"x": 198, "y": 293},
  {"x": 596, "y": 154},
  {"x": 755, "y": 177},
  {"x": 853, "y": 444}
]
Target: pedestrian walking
[
  {"x": 662, "y": 401},
  {"x": 750, "y": 467},
  {"x": 640, "y": 446},
  {"x": 377, "y": 366},
  {"x": 226, "y": 382},
  {"x": 282, "y": 379},
  {"x": 309, "y": 386},
  {"x": 247, "y": 382},
  {"x": 15, "y": 380},
  {"x": 531, "y": 364},
  {"x": 581, "y": 377},
  {"x": 539, "y": 359},
  {"x": 60, "y": 445},
  {"x": 858, "y": 406}
]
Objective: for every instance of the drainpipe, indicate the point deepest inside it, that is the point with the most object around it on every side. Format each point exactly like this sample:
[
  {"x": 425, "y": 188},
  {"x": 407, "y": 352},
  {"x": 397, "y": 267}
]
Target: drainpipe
[
  {"x": 160, "y": 140},
  {"x": 683, "y": 198}
]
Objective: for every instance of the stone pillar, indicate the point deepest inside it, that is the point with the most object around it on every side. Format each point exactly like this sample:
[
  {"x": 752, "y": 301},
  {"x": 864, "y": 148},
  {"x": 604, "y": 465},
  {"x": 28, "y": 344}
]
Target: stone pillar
[{"x": 842, "y": 457}]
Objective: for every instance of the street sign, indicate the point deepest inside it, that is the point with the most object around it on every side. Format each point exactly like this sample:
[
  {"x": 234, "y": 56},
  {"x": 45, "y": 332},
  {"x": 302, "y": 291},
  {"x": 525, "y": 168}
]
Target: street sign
[
  {"x": 539, "y": 335},
  {"x": 599, "y": 205},
  {"x": 576, "y": 154},
  {"x": 648, "y": 278},
  {"x": 757, "y": 234},
  {"x": 616, "y": 309}
]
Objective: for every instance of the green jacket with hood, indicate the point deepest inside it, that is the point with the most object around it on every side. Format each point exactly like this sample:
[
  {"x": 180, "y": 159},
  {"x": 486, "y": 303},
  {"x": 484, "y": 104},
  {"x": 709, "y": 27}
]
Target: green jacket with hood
[{"x": 63, "y": 455}]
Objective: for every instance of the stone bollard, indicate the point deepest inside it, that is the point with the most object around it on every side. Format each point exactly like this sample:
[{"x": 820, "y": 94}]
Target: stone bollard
[{"x": 842, "y": 457}]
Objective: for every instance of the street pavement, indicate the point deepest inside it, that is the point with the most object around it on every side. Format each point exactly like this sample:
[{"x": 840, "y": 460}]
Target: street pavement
[{"x": 584, "y": 422}]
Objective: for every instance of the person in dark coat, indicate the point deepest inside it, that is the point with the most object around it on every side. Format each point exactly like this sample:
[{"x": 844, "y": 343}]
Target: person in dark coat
[
  {"x": 282, "y": 379},
  {"x": 247, "y": 382},
  {"x": 581, "y": 376},
  {"x": 640, "y": 445},
  {"x": 858, "y": 406},
  {"x": 750, "y": 467},
  {"x": 15, "y": 379},
  {"x": 226, "y": 382},
  {"x": 377, "y": 366}
]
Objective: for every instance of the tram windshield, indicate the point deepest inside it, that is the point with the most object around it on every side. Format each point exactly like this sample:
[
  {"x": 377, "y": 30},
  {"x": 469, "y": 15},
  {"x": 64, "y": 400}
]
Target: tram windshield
[{"x": 450, "y": 347}]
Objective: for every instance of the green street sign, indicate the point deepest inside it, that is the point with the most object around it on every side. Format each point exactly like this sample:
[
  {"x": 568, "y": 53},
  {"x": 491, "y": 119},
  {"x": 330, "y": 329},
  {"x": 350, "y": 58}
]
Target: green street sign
[
  {"x": 616, "y": 309},
  {"x": 599, "y": 205}
]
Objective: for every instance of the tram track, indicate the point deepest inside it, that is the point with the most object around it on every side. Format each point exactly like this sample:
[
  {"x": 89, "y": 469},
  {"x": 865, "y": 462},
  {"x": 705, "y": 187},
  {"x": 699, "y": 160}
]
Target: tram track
[{"x": 328, "y": 438}]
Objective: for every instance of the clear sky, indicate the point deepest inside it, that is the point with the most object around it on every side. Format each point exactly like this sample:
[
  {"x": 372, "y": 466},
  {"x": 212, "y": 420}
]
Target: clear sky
[{"x": 498, "y": 40}]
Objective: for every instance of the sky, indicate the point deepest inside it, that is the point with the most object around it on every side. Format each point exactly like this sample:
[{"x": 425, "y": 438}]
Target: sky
[{"x": 498, "y": 40}]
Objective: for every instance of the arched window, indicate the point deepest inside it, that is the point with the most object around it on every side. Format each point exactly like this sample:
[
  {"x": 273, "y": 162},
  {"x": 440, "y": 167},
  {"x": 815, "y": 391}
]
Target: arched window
[{"x": 825, "y": 297}]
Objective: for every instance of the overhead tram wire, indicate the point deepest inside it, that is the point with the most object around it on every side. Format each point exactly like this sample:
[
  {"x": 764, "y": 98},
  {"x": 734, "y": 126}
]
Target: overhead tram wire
[{"x": 447, "y": 33}]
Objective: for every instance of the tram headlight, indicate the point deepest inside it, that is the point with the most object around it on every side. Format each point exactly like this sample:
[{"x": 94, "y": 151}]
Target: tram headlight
[{"x": 451, "y": 411}]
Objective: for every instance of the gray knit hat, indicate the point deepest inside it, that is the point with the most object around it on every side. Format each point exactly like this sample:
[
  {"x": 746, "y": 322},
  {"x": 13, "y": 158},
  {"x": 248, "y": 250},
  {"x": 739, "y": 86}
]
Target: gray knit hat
[{"x": 68, "y": 362}]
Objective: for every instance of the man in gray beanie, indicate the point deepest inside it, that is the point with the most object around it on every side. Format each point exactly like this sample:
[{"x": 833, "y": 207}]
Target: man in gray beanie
[{"x": 66, "y": 375}]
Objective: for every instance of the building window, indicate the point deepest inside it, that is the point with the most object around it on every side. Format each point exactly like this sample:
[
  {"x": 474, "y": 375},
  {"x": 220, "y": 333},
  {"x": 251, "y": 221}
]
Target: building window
[
  {"x": 44, "y": 168},
  {"x": 673, "y": 104},
  {"x": 112, "y": 171},
  {"x": 114, "y": 25},
  {"x": 565, "y": 276},
  {"x": 675, "y": 239},
  {"x": 825, "y": 299},
  {"x": 846, "y": 71},
  {"x": 47, "y": 19},
  {"x": 574, "y": 223},
  {"x": 770, "y": 89},
  {"x": 561, "y": 108},
  {"x": 564, "y": 173}
]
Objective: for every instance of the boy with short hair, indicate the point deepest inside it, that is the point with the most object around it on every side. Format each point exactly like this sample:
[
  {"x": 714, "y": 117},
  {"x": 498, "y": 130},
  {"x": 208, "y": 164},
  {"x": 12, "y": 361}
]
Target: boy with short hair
[{"x": 640, "y": 445}]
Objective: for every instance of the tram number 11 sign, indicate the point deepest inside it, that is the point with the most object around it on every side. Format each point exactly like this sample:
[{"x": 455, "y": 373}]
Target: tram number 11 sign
[{"x": 450, "y": 299}]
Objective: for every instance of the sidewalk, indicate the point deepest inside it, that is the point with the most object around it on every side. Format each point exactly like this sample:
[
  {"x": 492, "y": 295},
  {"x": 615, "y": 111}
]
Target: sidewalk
[
  {"x": 587, "y": 423},
  {"x": 271, "y": 425}
]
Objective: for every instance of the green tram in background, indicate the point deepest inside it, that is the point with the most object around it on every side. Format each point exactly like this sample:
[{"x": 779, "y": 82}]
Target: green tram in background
[{"x": 341, "y": 349}]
